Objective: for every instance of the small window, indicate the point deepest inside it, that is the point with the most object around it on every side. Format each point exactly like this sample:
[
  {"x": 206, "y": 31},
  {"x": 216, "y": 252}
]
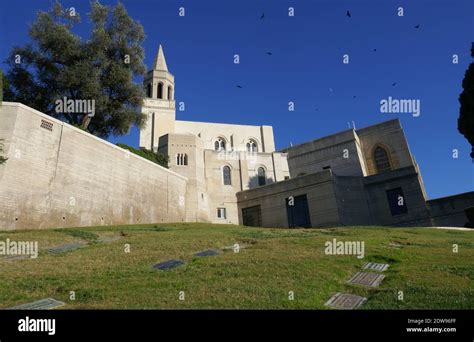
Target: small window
[
  {"x": 287, "y": 177},
  {"x": 382, "y": 162},
  {"x": 148, "y": 90},
  {"x": 396, "y": 201},
  {"x": 226, "y": 175},
  {"x": 261, "y": 176},
  {"x": 221, "y": 214},
  {"x": 219, "y": 144},
  {"x": 181, "y": 159},
  {"x": 170, "y": 93},
  {"x": 326, "y": 167},
  {"x": 252, "y": 146},
  {"x": 160, "y": 91}
]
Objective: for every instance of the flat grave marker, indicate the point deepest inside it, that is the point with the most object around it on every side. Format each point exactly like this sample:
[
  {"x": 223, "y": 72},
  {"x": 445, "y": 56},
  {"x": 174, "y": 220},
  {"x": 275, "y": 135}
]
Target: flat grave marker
[
  {"x": 65, "y": 248},
  {"x": 42, "y": 304},
  {"x": 166, "y": 265},
  {"x": 373, "y": 266},
  {"x": 345, "y": 301},
  {"x": 209, "y": 252},
  {"x": 367, "y": 279}
]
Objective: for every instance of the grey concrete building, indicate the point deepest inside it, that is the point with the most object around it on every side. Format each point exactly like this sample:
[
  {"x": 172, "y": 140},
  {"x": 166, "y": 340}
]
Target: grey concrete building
[{"x": 356, "y": 177}]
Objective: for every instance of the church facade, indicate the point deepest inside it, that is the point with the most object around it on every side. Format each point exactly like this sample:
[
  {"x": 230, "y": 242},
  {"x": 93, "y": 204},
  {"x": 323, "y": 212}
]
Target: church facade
[
  {"x": 218, "y": 160},
  {"x": 356, "y": 177}
]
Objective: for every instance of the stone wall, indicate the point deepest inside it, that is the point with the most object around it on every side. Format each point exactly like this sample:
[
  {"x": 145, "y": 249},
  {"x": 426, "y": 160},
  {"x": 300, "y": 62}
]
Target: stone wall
[
  {"x": 390, "y": 136},
  {"x": 318, "y": 188},
  {"x": 407, "y": 179},
  {"x": 340, "y": 152},
  {"x": 236, "y": 136},
  {"x": 60, "y": 176},
  {"x": 449, "y": 211}
]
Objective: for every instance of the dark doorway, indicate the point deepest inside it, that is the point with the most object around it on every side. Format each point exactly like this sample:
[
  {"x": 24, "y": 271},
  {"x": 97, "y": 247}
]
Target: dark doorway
[
  {"x": 298, "y": 212},
  {"x": 252, "y": 216}
]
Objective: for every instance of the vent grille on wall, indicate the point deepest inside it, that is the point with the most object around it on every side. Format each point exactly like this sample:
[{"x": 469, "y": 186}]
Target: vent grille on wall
[{"x": 46, "y": 125}]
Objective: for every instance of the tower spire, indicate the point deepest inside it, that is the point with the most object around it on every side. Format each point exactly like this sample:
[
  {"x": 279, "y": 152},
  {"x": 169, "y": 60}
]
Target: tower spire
[{"x": 160, "y": 62}]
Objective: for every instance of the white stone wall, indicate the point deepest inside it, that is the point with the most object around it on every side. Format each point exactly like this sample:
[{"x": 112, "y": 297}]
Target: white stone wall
[
  {"x": 68, "y": 178},
  {"x": 236, "y": 136},
  {"x": 341, "y": 152}
]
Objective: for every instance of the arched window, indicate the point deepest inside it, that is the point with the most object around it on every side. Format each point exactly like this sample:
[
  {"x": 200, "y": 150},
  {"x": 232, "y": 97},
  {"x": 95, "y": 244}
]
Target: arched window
[
  {"x": 170, "y": 93},
  {"x": 226, "y": 175},
  {"x": 252, "y": 146},
  {"x": 261, "y": 176},
  {"x": 382, "y": 162},
  {"x": 219, "y": 144},
  {"x": 160, "y": 91},
  {"x": 148, "y": 90},
  {"x": 181, "y": 159}
]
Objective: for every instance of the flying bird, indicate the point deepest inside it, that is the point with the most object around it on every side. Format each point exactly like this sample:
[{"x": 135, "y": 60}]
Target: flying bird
[
  {"x": 417, "y": 26},
  {"x": 238, "y": 86},
  {"x": 269, "y": 53},
  {"x": 355, "y": 96},
  {"x": 375, "y": 50},
  {"x": 262, "y": 16},
  {"x": 348, "y": 14},
  {"x": 394, "y": 84}
]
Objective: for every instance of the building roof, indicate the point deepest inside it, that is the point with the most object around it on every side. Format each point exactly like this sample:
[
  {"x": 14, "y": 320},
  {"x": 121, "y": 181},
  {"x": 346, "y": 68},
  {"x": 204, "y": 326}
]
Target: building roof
[{"x": 160, "y": 61}]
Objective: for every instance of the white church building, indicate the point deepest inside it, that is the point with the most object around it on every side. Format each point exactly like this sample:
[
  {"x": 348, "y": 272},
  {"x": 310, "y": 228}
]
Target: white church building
[{"x": 218, "y": 159}]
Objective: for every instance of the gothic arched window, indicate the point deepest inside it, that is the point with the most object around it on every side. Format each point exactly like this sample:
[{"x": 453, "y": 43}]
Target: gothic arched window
[
  {"x": 226, "y": 175},
  {"x": 160, "y": 91},
  {"x": 261, "y": 176},
  {"x": 219, "y": 144},
  {"x": 382, "y": 162},
  {"x": 252, "y": 146},
  {"x": 170, "y": 93}
]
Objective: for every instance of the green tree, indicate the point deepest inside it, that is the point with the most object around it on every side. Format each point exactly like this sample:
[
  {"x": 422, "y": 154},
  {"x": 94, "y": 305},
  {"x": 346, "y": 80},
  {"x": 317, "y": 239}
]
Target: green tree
[
  {"x": 466, "y": 99},
  {"x": 2, "y": 159},
  {"x": 57, "y": 63},
  {"x": 157, "y": 157}
]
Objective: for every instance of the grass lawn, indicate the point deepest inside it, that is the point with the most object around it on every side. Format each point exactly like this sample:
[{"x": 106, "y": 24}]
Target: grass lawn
[{"x": 260, "y": 276}]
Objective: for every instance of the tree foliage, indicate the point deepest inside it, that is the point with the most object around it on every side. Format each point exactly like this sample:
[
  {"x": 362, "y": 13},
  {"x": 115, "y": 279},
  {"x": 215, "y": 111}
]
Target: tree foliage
[
  {"x": 157, "y": 158},
  {"x": 2, "y": 159},
  {"x": 466, "y": 99},
  {"x": 58, "y": 63}
]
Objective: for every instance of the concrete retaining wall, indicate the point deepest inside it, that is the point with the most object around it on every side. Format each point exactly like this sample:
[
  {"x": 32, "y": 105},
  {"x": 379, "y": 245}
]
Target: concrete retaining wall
[{"x": 60, "y": 176}]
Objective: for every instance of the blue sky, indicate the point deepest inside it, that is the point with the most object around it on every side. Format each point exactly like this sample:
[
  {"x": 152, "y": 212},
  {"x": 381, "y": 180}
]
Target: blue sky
[{"x": 306, "y": 67}]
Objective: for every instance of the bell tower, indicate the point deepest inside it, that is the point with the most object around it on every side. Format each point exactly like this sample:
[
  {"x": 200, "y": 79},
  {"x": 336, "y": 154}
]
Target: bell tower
[{"x": 159, "y": 104}]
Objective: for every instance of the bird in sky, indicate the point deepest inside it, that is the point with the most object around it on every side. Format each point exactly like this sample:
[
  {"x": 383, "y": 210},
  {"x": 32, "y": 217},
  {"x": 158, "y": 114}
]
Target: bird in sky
[
  {"x": 239, "y": 86},
  {"x": 269, "y": 53},
  {"x": 348, "y": 14},
  {"x": 262, "y": 16},
  {"x": 417, "y": 26},
  {"x": 394, "y": 84}
]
